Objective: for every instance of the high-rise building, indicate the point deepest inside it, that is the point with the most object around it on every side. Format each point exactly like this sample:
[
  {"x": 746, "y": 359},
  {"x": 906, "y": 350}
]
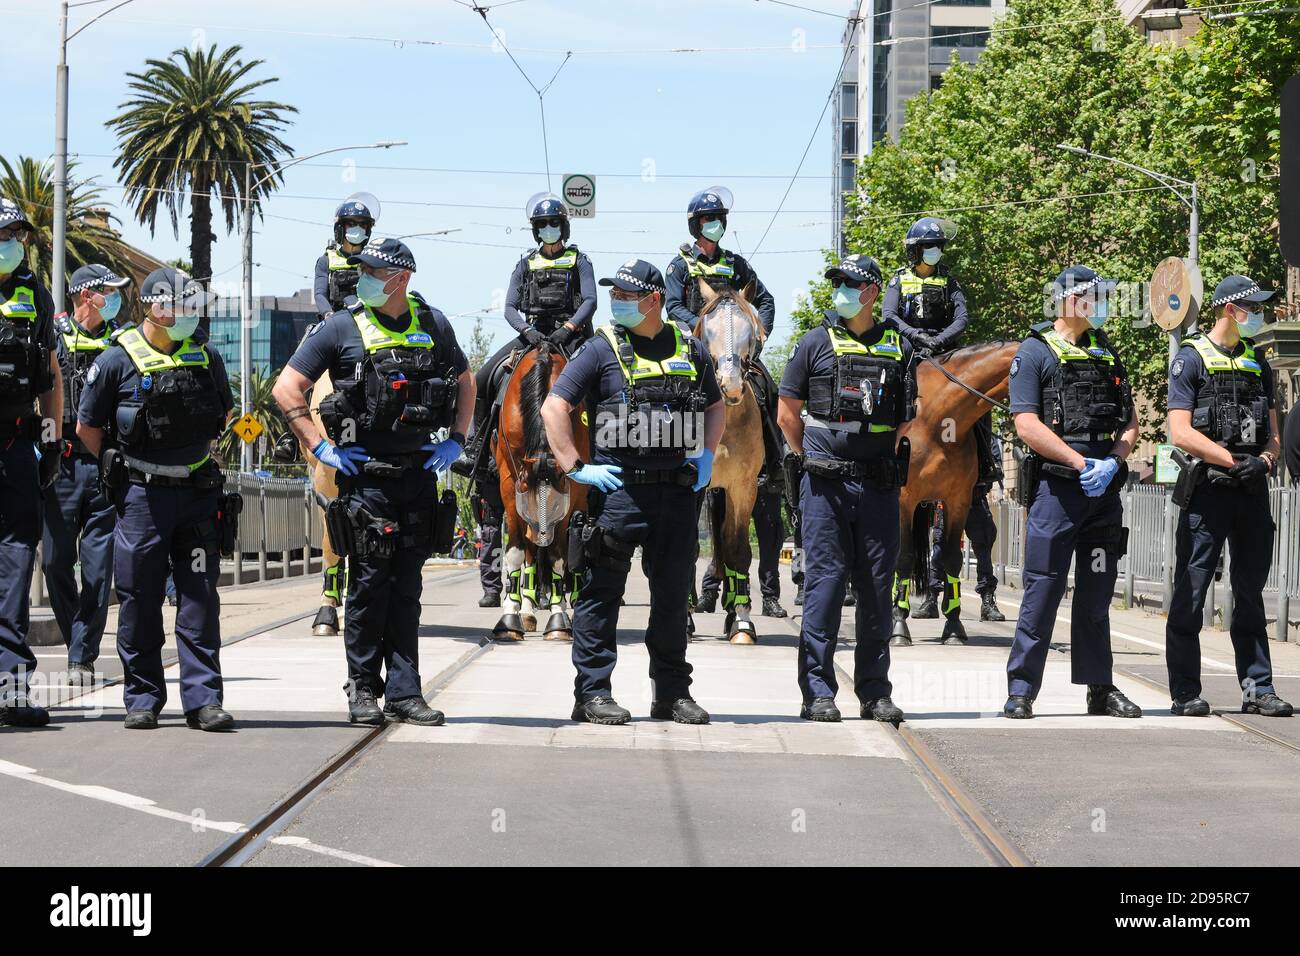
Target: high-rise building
[{"x": 279, "y": 323}]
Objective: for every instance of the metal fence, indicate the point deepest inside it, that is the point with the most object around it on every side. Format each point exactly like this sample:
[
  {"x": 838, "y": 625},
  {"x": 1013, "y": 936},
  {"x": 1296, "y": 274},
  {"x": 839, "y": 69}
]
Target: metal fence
[
  {"x": 1149, "y": 565},
  {"x": 279, "y": 517}
]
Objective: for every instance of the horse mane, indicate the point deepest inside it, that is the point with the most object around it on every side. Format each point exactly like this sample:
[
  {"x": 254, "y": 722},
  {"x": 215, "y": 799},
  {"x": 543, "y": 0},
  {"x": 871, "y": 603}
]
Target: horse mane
[
  {"x": 974, "y": 349},
  {"x": 533, "y": 390}
]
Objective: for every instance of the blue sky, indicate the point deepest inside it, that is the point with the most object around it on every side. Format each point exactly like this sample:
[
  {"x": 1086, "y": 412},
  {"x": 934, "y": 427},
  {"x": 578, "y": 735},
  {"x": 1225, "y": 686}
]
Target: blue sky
[{"x": 696, "y": 118}]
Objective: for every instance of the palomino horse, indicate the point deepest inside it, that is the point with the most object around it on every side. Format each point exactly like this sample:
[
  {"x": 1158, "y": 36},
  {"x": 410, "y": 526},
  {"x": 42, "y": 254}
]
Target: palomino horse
[
  {"x": 324, "y": 481},
  {"x": 955, "y": 390},
  {"x": 731, "y": 331},
  {"x": 538, "y": 500}
]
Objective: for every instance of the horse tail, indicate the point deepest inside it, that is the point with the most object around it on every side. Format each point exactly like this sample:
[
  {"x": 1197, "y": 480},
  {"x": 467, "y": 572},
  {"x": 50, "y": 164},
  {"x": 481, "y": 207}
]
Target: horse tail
[{"x": 922, "y": 521}]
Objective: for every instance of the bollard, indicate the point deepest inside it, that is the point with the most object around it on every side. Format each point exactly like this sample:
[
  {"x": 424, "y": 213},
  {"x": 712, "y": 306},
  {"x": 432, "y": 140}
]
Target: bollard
[
  {"x": 1171, "y": 528},
  {"x": 1285, "y": 544}
]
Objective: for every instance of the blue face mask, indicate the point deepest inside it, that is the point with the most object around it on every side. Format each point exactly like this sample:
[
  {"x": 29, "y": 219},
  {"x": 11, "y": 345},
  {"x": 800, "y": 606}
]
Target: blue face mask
[
  {"x": 931, "y": 255},
  {"x": 713, "y": 230},
  {"x": 182, "y": 328},
  {"x": 11, "y": 253},
  {"x": 112, "y": 305},
  {"x": 549, "y": 234},
  {"x": 847, "y": 302},
  {"x": 371, "y": 291},
  {"x": 356, "y": 235},
  {"x": 1100, "y": 313},
  {"x": 1251, "y": 326},
  {"x": 626, "y": 312}
]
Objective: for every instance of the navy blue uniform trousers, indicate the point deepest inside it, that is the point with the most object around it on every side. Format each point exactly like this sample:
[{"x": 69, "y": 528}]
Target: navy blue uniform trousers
[
  {"x": 78, "y": 528},
  {"x": 157, "y": 527},
  {"x": 489, "y": 526},
  {"x": 660, "y": 518},
  {"x": 1064, "y": 524},
  {"x": 850, "y": 534},
  {"x": 381, "y": 630},
  {"x": 1214, "y": 515},
  {"x": 20, "y": 529}
]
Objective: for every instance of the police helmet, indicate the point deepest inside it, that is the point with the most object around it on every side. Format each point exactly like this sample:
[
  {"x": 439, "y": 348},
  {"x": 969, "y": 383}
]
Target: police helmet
[
  {"x": 546, "y": 205},
  {"x": 359, "y": 207},
  {"x": 927, "y": 232},
  {"x": 714, "y": 201}
]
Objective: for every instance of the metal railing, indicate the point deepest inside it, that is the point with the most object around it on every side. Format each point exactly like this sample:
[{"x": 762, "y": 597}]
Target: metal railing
[
  {"x": 1152, "y": 521},
  {"x": 279, "y": 517}
]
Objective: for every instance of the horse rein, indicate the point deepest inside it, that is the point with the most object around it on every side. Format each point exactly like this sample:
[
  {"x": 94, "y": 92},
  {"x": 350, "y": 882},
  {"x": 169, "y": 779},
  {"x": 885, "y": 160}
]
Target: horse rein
[{"x": 974, "y": 391}]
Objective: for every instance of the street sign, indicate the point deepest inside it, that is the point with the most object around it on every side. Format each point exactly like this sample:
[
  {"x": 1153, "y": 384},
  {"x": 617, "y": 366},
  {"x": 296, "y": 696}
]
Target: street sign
[
  {"x": 579, "y": 192},
  {"x": 1166, "y": 468},
  {"x": 1176, "y": 291},
  {"x": 248, "y": 428},
  {"x": 1289, "y": 185}
]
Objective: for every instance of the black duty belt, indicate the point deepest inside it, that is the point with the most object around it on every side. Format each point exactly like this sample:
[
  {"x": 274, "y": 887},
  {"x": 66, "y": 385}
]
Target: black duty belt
[
  {"x": 204, "y": 477},
  {"x": 1060, "y": 471},
  {"x": 684, "y": 475},
  {"x": 878, "y": 469},
  {"x": 393, "y": 466}
]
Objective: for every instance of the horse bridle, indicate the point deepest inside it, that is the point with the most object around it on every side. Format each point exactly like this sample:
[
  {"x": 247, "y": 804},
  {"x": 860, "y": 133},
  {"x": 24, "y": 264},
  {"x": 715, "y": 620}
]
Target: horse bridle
[
  {"x": 974, "y": 391},
  {"x": 729, "y": 345}
]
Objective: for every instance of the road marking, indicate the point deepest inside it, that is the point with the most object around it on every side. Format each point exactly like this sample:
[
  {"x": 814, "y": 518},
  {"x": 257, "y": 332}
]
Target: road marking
[{"x": 131, "y": 801}]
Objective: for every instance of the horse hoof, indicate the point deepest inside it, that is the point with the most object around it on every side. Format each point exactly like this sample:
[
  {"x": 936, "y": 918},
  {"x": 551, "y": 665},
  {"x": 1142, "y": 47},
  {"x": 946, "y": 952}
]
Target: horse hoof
[
  {"x": 509, "y": 628},
  {"x": 530, "y": 622},
  {"x": 743, "y": 633},
  {"x": 557, "y": 636},
  {"x": 953, "y": 631},
  {"x": 900, "y": 640},
  {"x": 326, "y": 623},
  {"x": 558, "y": 627}
]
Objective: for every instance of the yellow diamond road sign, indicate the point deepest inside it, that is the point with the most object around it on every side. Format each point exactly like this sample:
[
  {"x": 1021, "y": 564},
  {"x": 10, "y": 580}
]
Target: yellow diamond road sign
[{"x": 248, "y": 428}]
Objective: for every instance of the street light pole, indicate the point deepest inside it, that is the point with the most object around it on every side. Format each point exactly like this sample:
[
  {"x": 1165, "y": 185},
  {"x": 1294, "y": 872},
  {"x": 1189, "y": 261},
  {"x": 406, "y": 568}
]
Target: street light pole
[
  {"x": 1191, "y": 200},
  {"x": 246, "y": 299},
  {"x": 59, "y": 237}
]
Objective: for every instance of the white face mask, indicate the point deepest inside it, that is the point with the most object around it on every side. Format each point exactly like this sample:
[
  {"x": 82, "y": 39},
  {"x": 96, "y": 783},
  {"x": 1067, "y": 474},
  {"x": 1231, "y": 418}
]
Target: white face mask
[
  {"x": 931, "y": 255},
  {"x": 355, "y": 235}
]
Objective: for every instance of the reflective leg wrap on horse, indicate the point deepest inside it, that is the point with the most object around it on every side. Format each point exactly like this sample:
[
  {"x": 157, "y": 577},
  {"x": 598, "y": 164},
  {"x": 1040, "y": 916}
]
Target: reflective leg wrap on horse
[
  {"x": 902, "y": 593},
  {"x": 735, "y": 589},
  {"x": 336, "y": 583}
]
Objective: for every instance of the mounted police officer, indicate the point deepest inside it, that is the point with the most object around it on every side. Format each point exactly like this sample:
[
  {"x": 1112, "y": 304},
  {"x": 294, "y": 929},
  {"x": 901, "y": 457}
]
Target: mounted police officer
[
  {"x": 399, "y": 375},
  {"x": 1222, "y": 414},
  {"x": 79, "y": 518},
  {"x": 658, "y": 418},
  {"x": 853, "y": 374},
  {"x": 29, "y": 373},
  {"x": 151, "y": 406},
  {"x": 1073, "y": 408},
  {"x": 706, "y": 261},
  {"x": 926, "y": 303},
  {"x": 336, "y": 279}
]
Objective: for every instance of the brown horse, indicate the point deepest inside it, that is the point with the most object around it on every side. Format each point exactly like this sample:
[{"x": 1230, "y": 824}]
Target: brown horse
[
  {"x": 731, "y": 331},
  {"x": 538, "y": 500},
  {"x": 944, "y": 466},
  {"x": 324, "y": 480}
]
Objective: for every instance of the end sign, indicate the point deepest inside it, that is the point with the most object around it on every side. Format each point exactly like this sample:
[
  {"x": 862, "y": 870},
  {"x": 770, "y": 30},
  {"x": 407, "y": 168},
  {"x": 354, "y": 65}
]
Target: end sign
[{"x": 579, "y": 191}]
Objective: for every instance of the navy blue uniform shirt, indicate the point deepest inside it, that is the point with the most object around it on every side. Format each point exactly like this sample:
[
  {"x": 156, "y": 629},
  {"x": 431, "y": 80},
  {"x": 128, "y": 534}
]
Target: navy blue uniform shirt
[
  {"x": 1032, "y": 370},
  {"x": 334, "y": 345},
  {"x": 814, "y": 356},
  {"x": 586, "y": 293},
  {"x": 594, "y": 375},
  {"x": 678, "y": 275},
  {"x": 113, "y": 379}
]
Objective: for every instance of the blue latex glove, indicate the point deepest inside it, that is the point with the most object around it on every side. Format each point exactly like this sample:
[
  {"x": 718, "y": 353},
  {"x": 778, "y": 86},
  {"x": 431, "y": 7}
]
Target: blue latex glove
[
  {"x": 443, "y": 454},
  {"x": 1097, "y": 475},
  {"x": 604, "y": 477},
  {"x": 345, "y": 459},
  {"x": 705, "y": 466}
]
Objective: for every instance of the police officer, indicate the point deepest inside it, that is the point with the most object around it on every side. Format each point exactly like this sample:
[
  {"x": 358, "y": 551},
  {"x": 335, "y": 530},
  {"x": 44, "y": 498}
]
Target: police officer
[
  {"x": 79, "y": 518},
  {"x": 489, "y": 513},
  {"x": 1073, "y": 408},
  {"x": 552, "y": 295},
  {"x": 336, "y": 279},
  {"x": 1222, "y": 411},
  {"x": 639, "y": 377},
  {"x": 849, "y": 490},
  {"x": 162, "y": 396},
  {"x": 29, "y": 370},
  {"x": 398, "y": 375}
]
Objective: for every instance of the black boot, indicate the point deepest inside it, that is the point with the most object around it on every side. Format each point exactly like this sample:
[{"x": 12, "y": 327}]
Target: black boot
[
  {"x": 490, "y": 599},
  {"x": 413, "y": 710},
  {"x": 821, "y": 709},
  {"x": 1018, "y": 708},
  {"x": 929, "y": 608},
  {"x": 708, "y": 602},
  {"x": 21, "y": 712},
  {"x": 209, "y": 717},
  {"x": 683, "y": 711},
  {"x": 772, "y": 608},
  {"x": 1267, "y": 705},
  {"x": 141, "y": 720},
  {"x": 600, "y": 710},
  {"x": 882, "y": 709},
  {"x": 1191, "y": 707},
  {"x": 798, "y": 595},
  {"x": 363, "y": 708},
  {"x": 1106, "y": 700},
  {"x": 850, "y": 599},
  {"x": 989, "y": 610},
  {"x": 80, "y": 675}
]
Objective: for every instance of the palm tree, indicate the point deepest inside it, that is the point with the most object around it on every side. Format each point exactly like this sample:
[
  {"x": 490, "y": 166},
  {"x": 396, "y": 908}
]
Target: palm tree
[
  {"x": 192, "y": 128},
  {"x": 90, "y": 237}
]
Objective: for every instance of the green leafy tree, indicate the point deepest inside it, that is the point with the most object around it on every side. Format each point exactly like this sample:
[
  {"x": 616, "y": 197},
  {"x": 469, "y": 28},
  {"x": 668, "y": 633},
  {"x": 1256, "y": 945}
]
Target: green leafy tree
[
  {"x": 190, "y": 129},
  {"x": 90, "y": 237}
]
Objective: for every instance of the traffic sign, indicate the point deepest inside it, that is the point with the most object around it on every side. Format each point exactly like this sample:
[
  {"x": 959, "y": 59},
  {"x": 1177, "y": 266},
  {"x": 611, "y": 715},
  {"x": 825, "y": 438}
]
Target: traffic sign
[
  {"x": 579, "y": 191},
  {"x": 248, "y": 428}
]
